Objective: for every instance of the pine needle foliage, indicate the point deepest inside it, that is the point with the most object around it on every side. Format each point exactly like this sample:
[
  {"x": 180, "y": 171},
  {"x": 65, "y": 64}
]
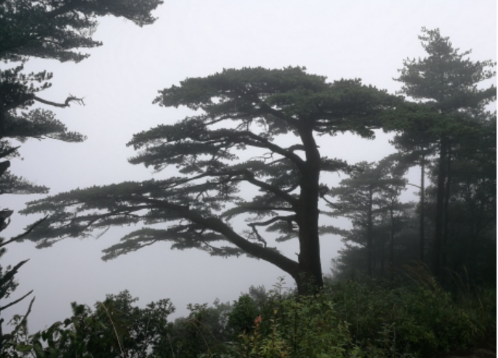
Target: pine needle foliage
[{"x": 240, "y": 113}]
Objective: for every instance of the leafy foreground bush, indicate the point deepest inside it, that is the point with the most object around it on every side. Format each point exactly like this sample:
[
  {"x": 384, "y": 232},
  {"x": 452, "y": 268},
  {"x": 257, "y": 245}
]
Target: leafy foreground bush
[
  {"x": 416, "y": 320},
  {"x": 115, "y": 328},
  {"x": 354, "y": 319},
  {"x": 348, "y": 319},
  {"x": 298, "y": 327}
]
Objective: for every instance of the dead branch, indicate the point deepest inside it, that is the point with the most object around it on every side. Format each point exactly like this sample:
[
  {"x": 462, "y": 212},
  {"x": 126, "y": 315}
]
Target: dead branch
[{"x": 67, "y": 103}]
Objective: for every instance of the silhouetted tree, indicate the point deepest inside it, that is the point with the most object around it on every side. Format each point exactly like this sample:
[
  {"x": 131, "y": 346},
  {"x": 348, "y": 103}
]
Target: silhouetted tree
[
  {"x": 371, "y": 191},
  {"x": 241, "y": 112},
  {"x": 446, "y": 82},
  {"x": 470, "y": 226},
  {"x": 416, "y": 147}
]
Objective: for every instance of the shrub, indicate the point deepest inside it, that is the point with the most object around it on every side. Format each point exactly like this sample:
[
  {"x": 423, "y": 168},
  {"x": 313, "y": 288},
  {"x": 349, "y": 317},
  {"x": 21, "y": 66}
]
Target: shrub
[
  {"x": 416, "y": 319},
  {"x": 298, "y": 327}
]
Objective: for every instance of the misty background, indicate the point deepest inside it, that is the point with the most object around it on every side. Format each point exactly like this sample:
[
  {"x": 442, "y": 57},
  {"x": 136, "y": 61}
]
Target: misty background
[{"x": 337, "y": 39}]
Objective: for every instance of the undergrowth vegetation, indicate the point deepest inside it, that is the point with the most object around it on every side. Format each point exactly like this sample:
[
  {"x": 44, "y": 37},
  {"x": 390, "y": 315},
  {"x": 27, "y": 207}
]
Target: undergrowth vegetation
[
  {"x": 373, "y": 319},
  {"x": 362, "y": 318},
  {"x": 413, "y": 320}
]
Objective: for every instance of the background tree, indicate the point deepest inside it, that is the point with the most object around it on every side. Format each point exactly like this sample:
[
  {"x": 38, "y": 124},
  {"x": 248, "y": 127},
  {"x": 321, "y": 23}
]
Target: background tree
[
  {"x": 416, "y": 147},
  {"x": 393, "y": 209},
  {"x": 371, "y": 192},
  {"x": 247, "y": 109},
  {"x": 470, "y": 208},
  {"x": 357, "y": 199},
  {"x": 446, "y": 82},
  {"x": 451, "y": 135}
]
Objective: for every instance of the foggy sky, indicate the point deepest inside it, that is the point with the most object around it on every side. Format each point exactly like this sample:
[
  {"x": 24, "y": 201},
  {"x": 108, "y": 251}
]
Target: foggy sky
[{"x": 338, "y": 39}]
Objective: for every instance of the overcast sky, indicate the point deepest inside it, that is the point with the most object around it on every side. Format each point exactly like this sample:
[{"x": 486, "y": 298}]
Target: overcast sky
[{"x": 365, "y": 39}]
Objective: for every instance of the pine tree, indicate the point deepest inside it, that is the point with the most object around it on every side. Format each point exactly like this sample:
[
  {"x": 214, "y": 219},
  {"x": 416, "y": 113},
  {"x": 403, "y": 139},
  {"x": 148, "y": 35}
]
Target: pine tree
[
  {"x": 242, "y": 112},
  {"x": 369, "y": 194},
  {"x": 445, "y": 83},
  {"x": 470, "y": 226},
  {"x": 416, "y": 147}
]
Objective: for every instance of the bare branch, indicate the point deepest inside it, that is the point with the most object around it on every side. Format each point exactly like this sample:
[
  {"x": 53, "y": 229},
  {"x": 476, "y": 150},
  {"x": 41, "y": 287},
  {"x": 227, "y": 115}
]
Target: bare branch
[
  {"x": 416, "y": 186},
  {"x": 69, "y": 99}
]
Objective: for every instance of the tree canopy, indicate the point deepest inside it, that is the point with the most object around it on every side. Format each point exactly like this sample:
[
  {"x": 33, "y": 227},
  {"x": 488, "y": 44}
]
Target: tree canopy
[
  {"x": 54, "y": 29},
  {"x": 240, "y": 113},
  {"x": 450, "y": 134},
  {"x": 49, "y": 30}
]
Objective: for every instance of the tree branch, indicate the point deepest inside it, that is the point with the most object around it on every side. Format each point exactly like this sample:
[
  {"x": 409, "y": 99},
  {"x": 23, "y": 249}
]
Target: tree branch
[
  {"x": 334, "y": 205},
  {"x": 69, "y": 99},
  {"x": 289, "y": 218},
  {"x": 249, "y": 177},
  {"x": 8, "y": 152},
  {"x": 277, "y": 149},
  {"x": 17, "y": 301},
  {"x": 416, "y": 186},
  {"x": 15, "y": 238},
  {"x": 264, "y": 107},
  {"x": 258, "y": 236},
  {"x": 259, "y": 142},
  {"x": 220, "y": 227}
]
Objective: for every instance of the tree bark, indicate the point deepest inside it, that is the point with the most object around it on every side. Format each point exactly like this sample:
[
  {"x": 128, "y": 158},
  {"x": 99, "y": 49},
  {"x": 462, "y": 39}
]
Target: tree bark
[
  {"x": 310, "y": 279},
  {"x": 446, "y": 214},
  {"x": 369, "y": 234},
  {"x": 382, "y": 257},
  {"x": 438, "y": 228},
  {"x": 391, "y": 246},
  {"x": 422, "y": 209}
]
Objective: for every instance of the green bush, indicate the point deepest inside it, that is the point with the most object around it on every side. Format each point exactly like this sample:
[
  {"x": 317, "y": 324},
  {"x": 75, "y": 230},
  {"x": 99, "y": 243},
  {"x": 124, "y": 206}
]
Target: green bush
[
  {"x": 244, "y": 311},
  {"x": 413, "y": 319},
  {"x": 297, "y": 327},
  {"x": 364, "y": 319},
  {"x": 115, "y": 328},
  {"x": 347, "y": 319}
]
